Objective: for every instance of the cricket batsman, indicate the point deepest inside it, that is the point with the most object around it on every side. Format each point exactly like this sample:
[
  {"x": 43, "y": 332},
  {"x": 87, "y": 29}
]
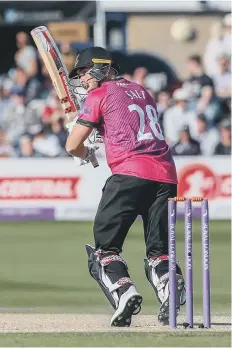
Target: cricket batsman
[{"x": 143, "y": 178}]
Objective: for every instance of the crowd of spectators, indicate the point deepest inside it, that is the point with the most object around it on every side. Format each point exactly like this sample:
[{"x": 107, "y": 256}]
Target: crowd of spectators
[{"x": 195, "y": 118}]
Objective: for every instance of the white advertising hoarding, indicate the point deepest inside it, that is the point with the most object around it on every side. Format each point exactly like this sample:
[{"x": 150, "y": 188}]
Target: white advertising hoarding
[{"x": 74, "y": 192}]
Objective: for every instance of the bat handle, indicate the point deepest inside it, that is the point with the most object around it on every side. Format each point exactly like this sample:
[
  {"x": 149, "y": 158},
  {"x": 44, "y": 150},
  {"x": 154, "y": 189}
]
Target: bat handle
[{"x": 94, "y": 161}]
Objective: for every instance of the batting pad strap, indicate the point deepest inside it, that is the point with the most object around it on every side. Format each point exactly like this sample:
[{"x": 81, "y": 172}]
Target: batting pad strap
[
  {"x": 157, "y": 274},
  {"x": 161, "y": 282},
  {"x": 106, "y": 260},
  {"x": 154, "y": 262},
  {"x": 121, "y": 282}
]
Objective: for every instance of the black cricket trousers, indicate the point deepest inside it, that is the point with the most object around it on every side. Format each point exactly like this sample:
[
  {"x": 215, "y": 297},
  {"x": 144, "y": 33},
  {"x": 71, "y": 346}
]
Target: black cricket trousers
[{"x": 125, "y": 197}]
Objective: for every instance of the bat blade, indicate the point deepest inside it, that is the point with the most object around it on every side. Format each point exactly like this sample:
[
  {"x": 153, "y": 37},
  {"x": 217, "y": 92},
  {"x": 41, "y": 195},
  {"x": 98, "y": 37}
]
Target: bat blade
[
  {"x": 58, "y": 74},
  {"x": 56, "y": 69}
]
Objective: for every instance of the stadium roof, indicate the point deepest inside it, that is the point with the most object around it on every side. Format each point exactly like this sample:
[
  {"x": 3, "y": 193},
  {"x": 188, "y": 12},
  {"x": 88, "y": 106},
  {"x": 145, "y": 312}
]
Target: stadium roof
[
  {"x": 20, "y": 11},
  {"x": 164, "y": 6}
]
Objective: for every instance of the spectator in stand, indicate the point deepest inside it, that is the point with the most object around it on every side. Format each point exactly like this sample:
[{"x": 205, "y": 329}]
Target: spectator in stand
[
  {"x": 224, "y": 146},
  {"x": 68, "y": 55},
  {"x": 19, "y": 118},
  {"x": 201, "y": 91},
  {"x": 46, "y": 144},
  {"x": 26, "y": 57},
  {"x": 219, "y": 42},
  {"x": 30, "y": 87},
  {"x": 213, "y": 47},
  {"x": 226, "y": 36},
  {"x": 127, "y": 76},
  {"x": 46, "y": 80},
  {"x": 32, "y": 115},
  {"x": 19, "y": 78},
  {"x": 177, "y": 116},
  {"x": 6, "y": 149},
  {"x": 52, "y": 109},
  {"x": 26, "y": 147},
  {"x": 222, "y": 82},
  {"x": 208, "y": 138},
  {"x": 151, "y": 92},
  {"x": 163, "y": 101},
  {"x": 12, "y": 121},
  {"x": 5, "y": 86},
  {"x": 140, "y": 75},
  {"x": 186, "y": 146},
  {"x": 58, "y": 128}
]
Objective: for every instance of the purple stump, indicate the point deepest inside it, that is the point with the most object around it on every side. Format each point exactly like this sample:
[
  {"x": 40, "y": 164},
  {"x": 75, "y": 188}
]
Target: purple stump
[
  {"x": 172, "y": 262},
  {"x": 188, "y": 262},
  {"x": 205, "y": 263}
]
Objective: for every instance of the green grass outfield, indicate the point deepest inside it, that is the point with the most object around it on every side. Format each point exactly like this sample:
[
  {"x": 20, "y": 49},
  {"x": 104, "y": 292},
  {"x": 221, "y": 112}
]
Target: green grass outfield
[
  {"x": 43, "y": 268},
  {"x": 115, "y": 340}
]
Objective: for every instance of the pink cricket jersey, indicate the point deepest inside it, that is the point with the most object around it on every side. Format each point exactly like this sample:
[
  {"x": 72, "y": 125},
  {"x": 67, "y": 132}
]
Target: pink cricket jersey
[{"x": 127, "y": 119}]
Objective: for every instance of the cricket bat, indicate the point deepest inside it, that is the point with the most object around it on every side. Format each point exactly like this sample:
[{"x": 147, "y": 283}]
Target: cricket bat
[{"x": 59, "y": 75}]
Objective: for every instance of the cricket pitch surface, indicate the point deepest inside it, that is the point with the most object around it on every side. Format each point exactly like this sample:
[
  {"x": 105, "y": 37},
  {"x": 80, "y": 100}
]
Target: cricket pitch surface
[{"x": 22, "y": 323}]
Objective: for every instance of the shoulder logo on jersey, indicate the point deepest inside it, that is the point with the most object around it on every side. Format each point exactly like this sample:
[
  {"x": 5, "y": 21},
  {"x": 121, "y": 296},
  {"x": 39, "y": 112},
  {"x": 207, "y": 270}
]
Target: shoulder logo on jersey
[{"x": 85, "y": 110}]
